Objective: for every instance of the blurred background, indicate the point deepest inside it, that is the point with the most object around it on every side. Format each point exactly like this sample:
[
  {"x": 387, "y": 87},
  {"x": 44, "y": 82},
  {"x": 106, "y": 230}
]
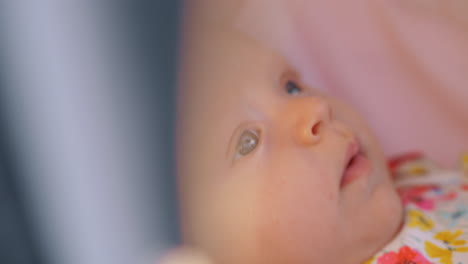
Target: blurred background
[
  {"x": 87, "y": 108},
  {"x": 86, "y": 131}
]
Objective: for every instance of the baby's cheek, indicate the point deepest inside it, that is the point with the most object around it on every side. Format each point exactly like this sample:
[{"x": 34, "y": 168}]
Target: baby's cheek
[{"x": 294, "y": 219}]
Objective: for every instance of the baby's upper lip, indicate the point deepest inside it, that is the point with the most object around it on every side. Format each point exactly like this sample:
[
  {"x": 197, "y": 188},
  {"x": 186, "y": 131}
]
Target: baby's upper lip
[{"x": 353, "y": 149}]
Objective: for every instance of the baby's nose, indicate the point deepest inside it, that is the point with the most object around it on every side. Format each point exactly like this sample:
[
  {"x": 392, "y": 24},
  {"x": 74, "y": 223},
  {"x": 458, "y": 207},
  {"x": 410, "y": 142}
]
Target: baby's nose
[{"x": 312, "y": 117}]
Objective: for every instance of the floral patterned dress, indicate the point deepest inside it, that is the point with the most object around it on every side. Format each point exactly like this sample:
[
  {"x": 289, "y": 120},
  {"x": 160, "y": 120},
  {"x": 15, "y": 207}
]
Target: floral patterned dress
[{"x": 436, "y": 214}]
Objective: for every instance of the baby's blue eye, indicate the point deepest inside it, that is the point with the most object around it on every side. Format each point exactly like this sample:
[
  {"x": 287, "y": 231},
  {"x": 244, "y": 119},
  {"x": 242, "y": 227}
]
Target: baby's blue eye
[{"x": 292, "y": 88}]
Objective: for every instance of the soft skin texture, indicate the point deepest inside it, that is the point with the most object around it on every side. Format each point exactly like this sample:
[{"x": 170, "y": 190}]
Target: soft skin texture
[
  {"x": 282, "y": 202},
  {"x": 403, "y": 64}
]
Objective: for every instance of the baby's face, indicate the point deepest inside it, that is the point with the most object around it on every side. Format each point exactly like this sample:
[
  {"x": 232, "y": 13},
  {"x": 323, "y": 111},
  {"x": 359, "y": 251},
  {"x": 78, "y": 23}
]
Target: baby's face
[{"x": 280, "y": 173}]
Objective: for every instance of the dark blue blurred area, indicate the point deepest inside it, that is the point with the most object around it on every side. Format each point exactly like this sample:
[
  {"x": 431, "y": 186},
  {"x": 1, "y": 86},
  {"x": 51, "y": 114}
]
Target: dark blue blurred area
[
  {"x": 144, "y": 38},
  {"x": 153, "y": 35},
  {"x": 17, "y": 241}
]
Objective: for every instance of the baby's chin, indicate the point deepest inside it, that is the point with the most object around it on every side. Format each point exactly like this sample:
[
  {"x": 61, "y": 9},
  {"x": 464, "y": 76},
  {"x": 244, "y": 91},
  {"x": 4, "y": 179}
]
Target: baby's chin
[
  {"x": 365, "y": 230},
  {"x": 389, "y": 213}
]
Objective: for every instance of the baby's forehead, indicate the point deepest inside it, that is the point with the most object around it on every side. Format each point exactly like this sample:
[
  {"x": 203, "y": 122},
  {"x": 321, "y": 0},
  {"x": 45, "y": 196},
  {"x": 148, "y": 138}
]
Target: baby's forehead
[
  {"x": 227, "y": 85},
  {"x": 241, "y": 69}
]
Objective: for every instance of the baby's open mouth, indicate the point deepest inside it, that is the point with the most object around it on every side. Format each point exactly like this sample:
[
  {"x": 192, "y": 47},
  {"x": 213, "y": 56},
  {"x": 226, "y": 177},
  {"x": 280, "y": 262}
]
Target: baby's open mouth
[
  {"x": 351, "y": 162},
  {"x": 357, "y": 164}
]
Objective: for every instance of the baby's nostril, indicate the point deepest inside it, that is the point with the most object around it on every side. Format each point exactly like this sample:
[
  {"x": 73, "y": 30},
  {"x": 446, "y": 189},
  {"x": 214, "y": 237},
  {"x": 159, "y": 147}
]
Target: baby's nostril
[{"x": 316, "y": 128}]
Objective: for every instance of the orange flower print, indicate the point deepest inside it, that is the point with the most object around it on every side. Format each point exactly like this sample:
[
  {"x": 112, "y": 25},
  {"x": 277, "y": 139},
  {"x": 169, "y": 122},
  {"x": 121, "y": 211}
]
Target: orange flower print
[{"x": 404, "y": 256}]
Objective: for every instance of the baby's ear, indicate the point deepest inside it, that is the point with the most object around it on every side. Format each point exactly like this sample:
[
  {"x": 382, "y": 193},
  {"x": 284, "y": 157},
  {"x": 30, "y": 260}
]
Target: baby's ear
[{"x": 185, "y": 255}]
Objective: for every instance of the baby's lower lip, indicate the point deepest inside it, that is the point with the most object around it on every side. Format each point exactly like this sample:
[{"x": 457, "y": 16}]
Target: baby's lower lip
[{"x": 360, "y": 166}]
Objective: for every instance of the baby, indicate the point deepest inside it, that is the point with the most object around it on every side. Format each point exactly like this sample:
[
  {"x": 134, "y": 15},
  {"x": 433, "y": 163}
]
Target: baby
[{"x": 272, "y": 170}]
